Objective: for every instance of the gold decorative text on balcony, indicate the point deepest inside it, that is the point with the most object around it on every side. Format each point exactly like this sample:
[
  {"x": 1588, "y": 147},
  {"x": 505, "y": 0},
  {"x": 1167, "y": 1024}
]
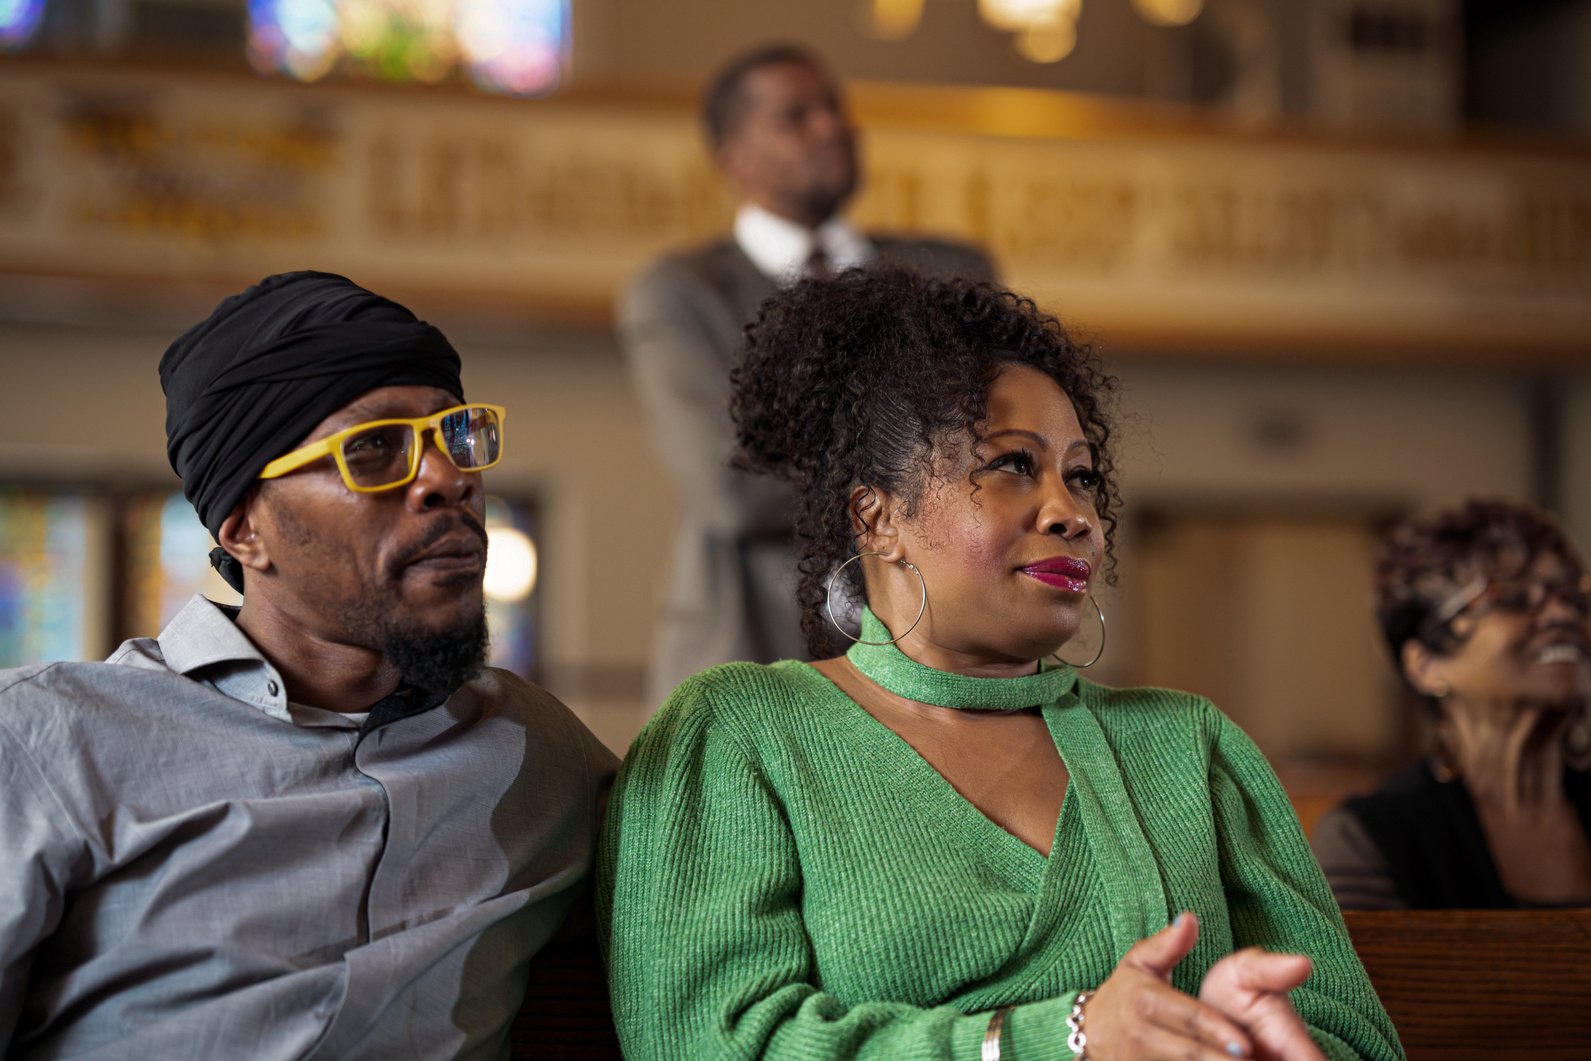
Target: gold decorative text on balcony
[{"x": 1171, "y": 238}]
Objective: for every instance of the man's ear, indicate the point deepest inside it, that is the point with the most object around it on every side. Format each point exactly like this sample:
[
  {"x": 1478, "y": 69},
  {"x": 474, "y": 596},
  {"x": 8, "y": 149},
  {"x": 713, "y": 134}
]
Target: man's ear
[
  {"x": 240, "y": 533},
  {"x": 1424, "y": 669},
  {"x": 731, "y": 161},
  {"x": 874, "y": 523}
]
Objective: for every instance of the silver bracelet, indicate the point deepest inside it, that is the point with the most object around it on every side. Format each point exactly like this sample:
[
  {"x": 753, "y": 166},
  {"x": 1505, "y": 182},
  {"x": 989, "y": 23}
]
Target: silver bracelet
[
  {"x": 1077, "y": 1041},
  {"x": 991, "y": 1035}
]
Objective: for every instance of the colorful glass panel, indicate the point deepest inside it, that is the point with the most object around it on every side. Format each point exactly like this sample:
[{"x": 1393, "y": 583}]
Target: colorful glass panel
[
  {"x": 19, "y": 21},
  {"x": 515, "y": 47},
  {"x": 511, "y": 578},
  {"x": 44, "y": 566},
  {"x": 168, "y": 561}
]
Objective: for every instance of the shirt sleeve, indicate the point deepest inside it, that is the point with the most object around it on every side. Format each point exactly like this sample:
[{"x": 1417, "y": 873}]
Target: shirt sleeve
[
  {"x": 1279, "y": 900},
  {"x": 699, "y": 890},
  {"x": 38, "y": 853},
  {"x": 1355, "y": 868},
  {"x": 682, "y": 377}
]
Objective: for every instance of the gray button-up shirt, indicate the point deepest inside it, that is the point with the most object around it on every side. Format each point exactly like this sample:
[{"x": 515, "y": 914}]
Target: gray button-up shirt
[{"x": 191, "y": 867}]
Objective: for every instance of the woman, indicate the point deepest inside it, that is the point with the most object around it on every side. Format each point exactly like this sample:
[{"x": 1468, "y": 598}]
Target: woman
[
  {"x": 1485, "y": 611},
  {"x": 942, "y": 843}
]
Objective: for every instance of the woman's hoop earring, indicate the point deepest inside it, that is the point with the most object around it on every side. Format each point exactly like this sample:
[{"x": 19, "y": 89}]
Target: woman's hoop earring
[
  {"x": 1577, "y": 740},
  {"x": 828, "y": 600},
  {"x": 1101, "y": 652}
]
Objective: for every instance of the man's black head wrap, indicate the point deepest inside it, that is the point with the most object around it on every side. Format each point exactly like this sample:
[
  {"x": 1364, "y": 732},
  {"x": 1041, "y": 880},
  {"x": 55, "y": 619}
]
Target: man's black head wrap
[{"x": 245, "y": 385}]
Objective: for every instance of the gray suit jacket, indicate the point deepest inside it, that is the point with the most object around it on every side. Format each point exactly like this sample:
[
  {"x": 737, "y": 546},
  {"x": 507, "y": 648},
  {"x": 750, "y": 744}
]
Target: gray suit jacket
[{"x": 732, "y": 595}]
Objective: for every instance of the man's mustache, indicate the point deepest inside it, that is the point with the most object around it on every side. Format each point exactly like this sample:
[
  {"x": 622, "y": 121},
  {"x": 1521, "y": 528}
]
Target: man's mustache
[{"x": 435, "y": 533}]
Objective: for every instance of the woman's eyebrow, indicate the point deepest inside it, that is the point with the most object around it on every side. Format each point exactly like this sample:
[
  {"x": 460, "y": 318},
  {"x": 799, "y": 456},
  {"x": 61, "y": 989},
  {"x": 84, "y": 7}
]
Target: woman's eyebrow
[
  {"x": 1024, "y": 432},
  {"x": 1038, "y": 440}
]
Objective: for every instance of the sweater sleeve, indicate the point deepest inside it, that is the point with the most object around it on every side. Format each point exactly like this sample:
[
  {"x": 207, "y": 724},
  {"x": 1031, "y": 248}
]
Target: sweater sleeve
[
  {"x": 1279, "y": 900},
  {"x": 699, "y": 893}
]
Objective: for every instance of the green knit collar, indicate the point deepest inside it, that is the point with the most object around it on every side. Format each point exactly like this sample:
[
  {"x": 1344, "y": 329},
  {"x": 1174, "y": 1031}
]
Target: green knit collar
[{"x": 903, "y": 676}]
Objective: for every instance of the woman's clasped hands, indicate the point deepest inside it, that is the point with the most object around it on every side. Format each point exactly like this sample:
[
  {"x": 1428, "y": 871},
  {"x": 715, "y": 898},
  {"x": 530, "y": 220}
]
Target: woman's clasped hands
[{"x": 1242, "y": 1009}]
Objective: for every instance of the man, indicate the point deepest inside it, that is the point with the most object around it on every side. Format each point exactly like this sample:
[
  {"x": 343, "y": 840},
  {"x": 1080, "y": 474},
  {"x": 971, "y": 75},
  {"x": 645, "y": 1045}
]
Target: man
[
  {"x": 781, "y": 136},
  {"x": 314, "y": 826}
]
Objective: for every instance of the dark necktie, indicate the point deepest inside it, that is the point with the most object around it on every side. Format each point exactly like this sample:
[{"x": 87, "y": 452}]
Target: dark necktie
[{"x": 818, "y": 265}]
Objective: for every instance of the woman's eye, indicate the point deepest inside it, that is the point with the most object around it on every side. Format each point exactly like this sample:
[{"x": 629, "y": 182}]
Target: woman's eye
[
  {"x": 1087, "y": 478},
  {"x": 1020, "y": 461},
  {"x": 1514, "y": 597}
]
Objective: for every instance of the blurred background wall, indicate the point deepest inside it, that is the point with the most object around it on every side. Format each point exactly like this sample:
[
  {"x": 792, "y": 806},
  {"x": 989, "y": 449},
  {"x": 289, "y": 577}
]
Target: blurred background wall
[{"x": 1339, "y": 252}]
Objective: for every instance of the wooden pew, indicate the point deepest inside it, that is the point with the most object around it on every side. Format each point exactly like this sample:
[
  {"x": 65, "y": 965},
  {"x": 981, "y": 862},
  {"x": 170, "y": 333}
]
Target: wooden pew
[
  {"x": 1493, "y": 984},
  {"x": 1459, "y": 984}
]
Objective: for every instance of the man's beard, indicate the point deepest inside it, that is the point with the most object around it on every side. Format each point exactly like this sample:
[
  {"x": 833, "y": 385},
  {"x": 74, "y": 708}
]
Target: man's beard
[{"x": 438, "y": 661}]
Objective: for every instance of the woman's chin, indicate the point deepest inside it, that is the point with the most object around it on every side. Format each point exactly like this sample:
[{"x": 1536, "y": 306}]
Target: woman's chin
[{"x": 1051, "y": 644}]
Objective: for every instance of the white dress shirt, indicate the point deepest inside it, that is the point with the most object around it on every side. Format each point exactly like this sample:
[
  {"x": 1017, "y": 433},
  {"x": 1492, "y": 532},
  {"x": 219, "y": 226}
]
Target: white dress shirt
[{"x": 780, "y": 248}]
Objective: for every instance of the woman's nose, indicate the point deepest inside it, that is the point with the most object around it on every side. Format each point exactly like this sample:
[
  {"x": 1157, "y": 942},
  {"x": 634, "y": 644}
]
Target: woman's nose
[{"x": 1063, "y": 514}]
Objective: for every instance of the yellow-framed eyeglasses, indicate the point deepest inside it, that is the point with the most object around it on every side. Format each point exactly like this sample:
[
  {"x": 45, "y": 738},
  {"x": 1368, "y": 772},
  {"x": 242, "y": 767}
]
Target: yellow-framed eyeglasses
[{"x": 385, "y": 454}]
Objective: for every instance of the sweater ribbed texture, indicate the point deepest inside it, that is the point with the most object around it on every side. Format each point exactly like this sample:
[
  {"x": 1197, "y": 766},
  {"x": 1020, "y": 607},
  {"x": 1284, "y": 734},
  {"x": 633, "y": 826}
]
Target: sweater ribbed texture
[
  {"x": 890, "y": 668},
  {"x": 783, "y": 877}
]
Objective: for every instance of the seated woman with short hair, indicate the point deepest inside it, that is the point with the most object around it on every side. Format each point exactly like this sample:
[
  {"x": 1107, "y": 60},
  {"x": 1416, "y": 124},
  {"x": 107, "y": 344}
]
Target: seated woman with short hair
[
  {"x": 944, "y": 843},
  {"x": 1485, "y": 609}
]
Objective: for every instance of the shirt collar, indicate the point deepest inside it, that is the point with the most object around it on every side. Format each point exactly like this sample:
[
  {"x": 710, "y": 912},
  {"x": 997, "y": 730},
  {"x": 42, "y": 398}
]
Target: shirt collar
[
  {"x": 779, "y": 247},
  {"x": 203, "y": 642}
]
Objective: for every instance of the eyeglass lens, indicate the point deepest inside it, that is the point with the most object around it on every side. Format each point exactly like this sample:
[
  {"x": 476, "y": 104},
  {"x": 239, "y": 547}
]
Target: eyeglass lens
[
  {"x": 384, "y": 454},
  {"x": 379, "y": 455},
  {"x": 471, "y": 438}
]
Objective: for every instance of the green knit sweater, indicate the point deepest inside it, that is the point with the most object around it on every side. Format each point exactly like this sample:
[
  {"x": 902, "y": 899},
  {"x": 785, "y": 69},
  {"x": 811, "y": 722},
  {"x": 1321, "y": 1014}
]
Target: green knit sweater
[{"x": 784, "y": 877}]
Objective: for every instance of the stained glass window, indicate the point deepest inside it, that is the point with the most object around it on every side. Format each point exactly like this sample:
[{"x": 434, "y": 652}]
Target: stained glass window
[
  {"x": 517, "y": 47},
  {"x": 51, "y": 555},
  {"x": 19, "y": 21},
  {"x": 512, "y": 563},
  {"x": 168, "y": 561}
]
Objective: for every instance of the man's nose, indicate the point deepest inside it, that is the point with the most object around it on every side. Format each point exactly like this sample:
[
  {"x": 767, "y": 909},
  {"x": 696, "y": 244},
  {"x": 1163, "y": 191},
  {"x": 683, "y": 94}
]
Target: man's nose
[{"x": 439, "y": 482}]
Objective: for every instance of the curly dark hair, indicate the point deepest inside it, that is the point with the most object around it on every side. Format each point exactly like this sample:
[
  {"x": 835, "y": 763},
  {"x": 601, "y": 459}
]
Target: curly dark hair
[
  {"x": 1427, "y": 561},
  {"x": 860, "y": 379}
]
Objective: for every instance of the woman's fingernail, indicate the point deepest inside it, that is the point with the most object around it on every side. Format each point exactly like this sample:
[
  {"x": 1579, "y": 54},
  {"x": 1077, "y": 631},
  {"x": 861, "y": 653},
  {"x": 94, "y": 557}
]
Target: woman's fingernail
[
  {"x": 1235, "y": 1049},
  {"x": 1176, "y": 922}
]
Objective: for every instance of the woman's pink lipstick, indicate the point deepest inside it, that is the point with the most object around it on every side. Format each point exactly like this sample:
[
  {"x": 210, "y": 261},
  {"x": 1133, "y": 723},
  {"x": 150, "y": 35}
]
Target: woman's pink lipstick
[{"x": 1062, "y": 572}]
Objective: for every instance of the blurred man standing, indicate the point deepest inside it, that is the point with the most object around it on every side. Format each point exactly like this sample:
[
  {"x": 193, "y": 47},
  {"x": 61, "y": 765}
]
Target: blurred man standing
[{"x": 780, "y": 134}]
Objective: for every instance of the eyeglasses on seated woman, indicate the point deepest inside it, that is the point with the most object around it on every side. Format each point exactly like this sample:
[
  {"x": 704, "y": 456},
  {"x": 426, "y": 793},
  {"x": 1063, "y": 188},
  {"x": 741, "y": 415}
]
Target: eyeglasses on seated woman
[
  {"x": 939, "y": 841},
  {"x": 1485, "y": 610}
]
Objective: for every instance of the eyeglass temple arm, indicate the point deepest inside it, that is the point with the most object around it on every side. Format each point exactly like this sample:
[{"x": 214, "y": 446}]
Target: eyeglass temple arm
[{"x": 298, "y": 458}]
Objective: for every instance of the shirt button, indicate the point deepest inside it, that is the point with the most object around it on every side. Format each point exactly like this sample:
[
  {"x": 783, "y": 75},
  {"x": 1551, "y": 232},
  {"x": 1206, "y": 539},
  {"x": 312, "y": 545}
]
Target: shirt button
[{"x": 273, "y": 688}]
